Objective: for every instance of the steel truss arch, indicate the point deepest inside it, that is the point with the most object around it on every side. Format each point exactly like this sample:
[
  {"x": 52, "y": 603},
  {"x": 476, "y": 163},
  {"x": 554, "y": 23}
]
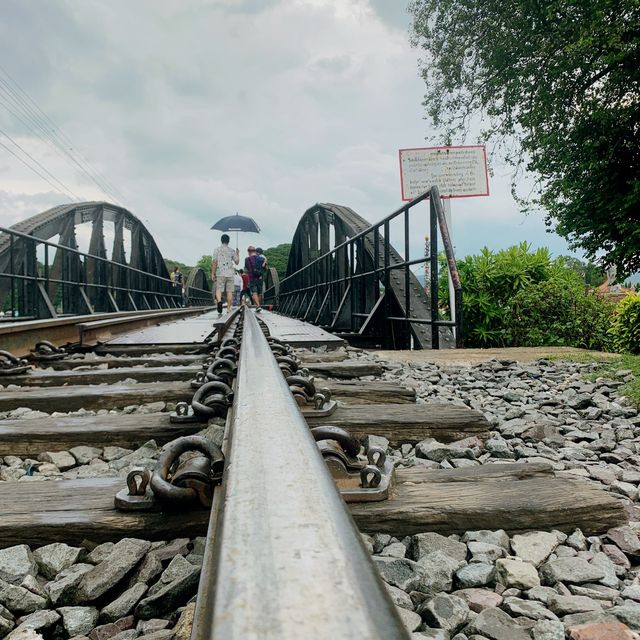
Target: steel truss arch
[
  {"x": 196, "y": 286},
  {"x": 326, "y": 295},
  {"x": 75, "y": 282}
]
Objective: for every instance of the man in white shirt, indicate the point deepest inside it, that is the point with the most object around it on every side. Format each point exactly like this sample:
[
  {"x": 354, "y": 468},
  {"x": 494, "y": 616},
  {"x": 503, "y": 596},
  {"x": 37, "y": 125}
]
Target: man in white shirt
[{"x": 223, "y": 271}]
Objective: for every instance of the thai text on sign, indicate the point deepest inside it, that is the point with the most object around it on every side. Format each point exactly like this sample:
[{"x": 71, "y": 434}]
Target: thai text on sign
[{"x": 458, "y": 172}]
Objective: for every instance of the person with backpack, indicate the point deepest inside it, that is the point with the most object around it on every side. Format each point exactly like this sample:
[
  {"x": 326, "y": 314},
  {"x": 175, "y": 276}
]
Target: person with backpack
[{"x": 255, "y": 265}]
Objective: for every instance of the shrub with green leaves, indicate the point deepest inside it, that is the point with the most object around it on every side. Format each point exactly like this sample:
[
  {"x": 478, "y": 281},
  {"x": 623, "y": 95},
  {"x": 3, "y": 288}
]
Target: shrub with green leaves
[
  {"x": 520, "y": 297},
  {"x": 560, "y": 313},
  {"x": 626, "y": 325}
]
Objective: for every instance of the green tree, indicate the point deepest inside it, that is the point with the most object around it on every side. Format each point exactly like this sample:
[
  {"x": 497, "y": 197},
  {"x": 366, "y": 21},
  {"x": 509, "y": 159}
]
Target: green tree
[
  {"x": 555, "y": 84},
  {"x": 205, "y": 264},
  {"x": 278, "y": 257}
]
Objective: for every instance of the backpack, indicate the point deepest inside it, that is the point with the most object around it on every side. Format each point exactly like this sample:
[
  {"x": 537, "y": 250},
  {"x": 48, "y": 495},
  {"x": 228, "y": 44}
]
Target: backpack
[{"x": 257, "y": 266}]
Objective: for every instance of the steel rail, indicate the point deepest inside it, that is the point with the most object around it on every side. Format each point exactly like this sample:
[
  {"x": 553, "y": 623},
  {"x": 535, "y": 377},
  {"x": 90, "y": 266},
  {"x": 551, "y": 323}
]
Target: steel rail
[
  {"x": 284, "y": 558},
  {"x": 20, "y": 337}
]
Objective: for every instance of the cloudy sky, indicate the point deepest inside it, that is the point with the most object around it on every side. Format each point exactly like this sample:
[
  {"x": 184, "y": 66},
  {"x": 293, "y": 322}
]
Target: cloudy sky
[{"x": 195, "y": 109}]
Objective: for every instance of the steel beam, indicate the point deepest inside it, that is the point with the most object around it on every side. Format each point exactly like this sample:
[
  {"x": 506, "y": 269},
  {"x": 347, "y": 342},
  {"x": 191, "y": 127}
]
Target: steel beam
[{"x": 284, "y": 558}]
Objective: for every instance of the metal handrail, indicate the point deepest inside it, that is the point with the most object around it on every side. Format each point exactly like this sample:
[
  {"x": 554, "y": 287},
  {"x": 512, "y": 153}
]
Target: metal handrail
[
  {"x": 295, "y": 289},
  {"x": 164, "y": 287},
  {"x": 284, "y": 558}
]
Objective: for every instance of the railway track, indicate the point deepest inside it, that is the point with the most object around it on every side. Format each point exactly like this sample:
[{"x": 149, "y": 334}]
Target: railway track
[{"x": 246, "y": 527}]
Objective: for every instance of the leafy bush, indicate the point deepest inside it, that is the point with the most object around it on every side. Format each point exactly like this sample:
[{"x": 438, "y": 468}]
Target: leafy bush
[
  {"x": 520, "y": 297},
  {"x": 560, "y": 313},
  {"x": 626, "y": 325}
]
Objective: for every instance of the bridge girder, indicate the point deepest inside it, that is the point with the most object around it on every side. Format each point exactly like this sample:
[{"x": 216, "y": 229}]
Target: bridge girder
[
  {"x": 101, "y": 286},
  {"x": 356, "y": 306}
]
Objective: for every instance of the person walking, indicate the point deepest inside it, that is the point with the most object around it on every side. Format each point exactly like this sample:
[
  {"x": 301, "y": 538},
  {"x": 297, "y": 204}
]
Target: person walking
[
  {"x": 246, "y": 294},
  {"x": 223, "y": 271},
  {"x": 237, "y": 289},
  {"x": 177, "y": 278},
  {"x": 254, "y": 266}
]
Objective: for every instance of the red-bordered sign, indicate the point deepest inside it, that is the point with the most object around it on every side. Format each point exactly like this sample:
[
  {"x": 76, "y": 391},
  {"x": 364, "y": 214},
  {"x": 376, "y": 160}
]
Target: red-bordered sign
[{"x": 458, "y": 172}]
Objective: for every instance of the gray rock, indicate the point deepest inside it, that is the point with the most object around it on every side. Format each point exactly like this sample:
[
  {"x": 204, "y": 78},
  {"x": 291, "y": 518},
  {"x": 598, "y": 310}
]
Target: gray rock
[
  {"x": 574, "y": 570},
  {"x": 179, "y": 546},
  {"x": 629, "y": 614},
  {"x": 577, "y": 541},
  {"x": 170, "y": 597},
  {"x": 475, "y": 575},
  {"x": 31, "y": 583},
  {"x": 588, "y": 617},
  {"x": 626, "y": 538},
  {"x": 123, "y": 558},
  {"x": 100, "y": 553},
  {"x": 431, "y": 449},
  {"x": 595, "y": 591},
  {"x": 437, "y": 576},
  {"x": 199, "y": 545},
  {"x": 399, "y": 597},
  {"x": 632, "y": 591},
  {"x": 548, "y": 630},
  {"x": 43, "y": 619},
  {"x": 84, "y": 454},
  {"x": 148, "y": 570},
  {"x": 497, "y": 625},
  {"x": 20, "y": 600},
  {"x": 61, "y": 459},
  {"x": 16, "y": 563},
  {"x": 62, "y": 590},
  {"x": 498, "y": 537},
  {"x": 564, "y": 605},
  {"x": 395, "y": 550},
  {"x": 529, "y": 608},
  {"x": 178, "y": 568},
  {"x": 24, "y": 634},
  {"x": 410, "y": 619},
  {"x": 78, "y": 621},
  {"x": 128, "y": 634},
  {"x": 399, "y": 572},
  {"x": 498, "y": 448},
  {"x": 423, "y": 543},
  {"x": 114, "y": 453},
  {"x": 489, "y": 552},
  {"x": 6, "y": 626},
  {"x": 446, "y": 612},
  {"x": 516, "y": 573},
  {"x": 53, "y": 558},
  {"x": 145, "y": 627},
  {"x": 541, "y": 594},
  {"x": 534, "y": 547},
  {"x": 479, "y": 599},
  {"x": 602, "y": 561},
  {"x": 124, "y": 604}
]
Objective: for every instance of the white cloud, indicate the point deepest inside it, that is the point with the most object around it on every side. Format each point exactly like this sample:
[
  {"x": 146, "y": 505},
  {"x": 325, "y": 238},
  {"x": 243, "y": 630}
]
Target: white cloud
[{"x": 199, "y": 109}]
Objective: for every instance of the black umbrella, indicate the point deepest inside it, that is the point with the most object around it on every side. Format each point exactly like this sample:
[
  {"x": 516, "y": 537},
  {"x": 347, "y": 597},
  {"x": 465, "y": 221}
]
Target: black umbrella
[{"x": 237, "y": 223}]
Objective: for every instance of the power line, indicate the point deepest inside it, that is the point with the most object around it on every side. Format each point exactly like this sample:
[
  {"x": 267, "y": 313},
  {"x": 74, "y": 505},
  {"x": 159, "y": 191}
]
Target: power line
[
  {"x": 26, "y": 153},
  {"x": 24, "y": 162},
  {"x": 53, "y": 135},
  {"x": 49, "y": 137}
]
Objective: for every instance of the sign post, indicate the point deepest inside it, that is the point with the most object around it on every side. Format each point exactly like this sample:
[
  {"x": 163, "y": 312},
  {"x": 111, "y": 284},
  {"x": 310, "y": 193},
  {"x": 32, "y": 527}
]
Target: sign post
[{"x": 458, "y": 172}]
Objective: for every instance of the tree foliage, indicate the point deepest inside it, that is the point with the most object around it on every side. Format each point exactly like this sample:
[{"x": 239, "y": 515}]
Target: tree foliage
[
  {"x": 561, "y": 78},
  {"x": 278, "y": 257}
]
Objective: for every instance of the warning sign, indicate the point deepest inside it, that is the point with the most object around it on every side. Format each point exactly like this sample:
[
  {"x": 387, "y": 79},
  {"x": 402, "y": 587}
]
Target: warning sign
[{"x": 458, "y": 172}]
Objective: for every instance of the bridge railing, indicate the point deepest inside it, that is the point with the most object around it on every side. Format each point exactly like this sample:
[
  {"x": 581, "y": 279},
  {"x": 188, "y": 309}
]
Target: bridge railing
[
  {"x": 352, "y": 284},
  {"x": 39, "y": 278}
]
